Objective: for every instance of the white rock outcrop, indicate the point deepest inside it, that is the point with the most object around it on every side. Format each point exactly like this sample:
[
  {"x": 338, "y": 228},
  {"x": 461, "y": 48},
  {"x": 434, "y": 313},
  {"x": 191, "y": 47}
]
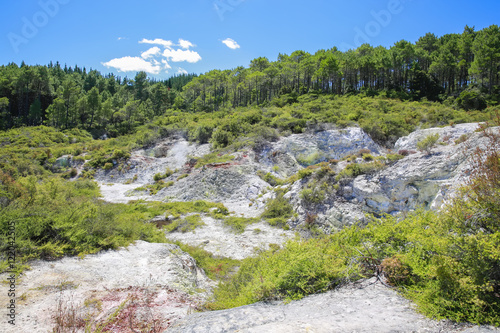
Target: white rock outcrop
[{"x": 420, "y": 179}]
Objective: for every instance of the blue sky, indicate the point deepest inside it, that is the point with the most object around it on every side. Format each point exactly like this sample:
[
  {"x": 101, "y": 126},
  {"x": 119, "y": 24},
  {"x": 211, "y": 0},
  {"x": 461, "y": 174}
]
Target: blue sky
[{"x": 165, "y": 37}]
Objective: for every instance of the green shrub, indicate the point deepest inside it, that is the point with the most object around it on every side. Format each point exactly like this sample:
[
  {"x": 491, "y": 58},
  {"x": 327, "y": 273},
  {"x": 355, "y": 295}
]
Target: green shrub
[
  {"x": 428, "y": 143},
  {"x": 64, "y": 218},
  {"x": 306, "y": 160},
  {"x": 462, "y": 139},
  {"x": 270, "y": 178},
  {"x": 279, "y": 207},
  {"x": 303, "y": 173},
  {"x": 350, "y": 171},
  {"x": 394, "y": 157},
  {"x": 313, "y": 195},
  {"x": 471, "y": 100},
  {"x": 159, "y": 176},
  {"x": 108, "y": 166},
  {"x": 368, "y": 157}
]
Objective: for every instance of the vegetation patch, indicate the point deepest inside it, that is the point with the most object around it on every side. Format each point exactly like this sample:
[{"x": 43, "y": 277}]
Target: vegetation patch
[
  {"x": 213, "y": 158},
  {"x": 239, "y": 224},
  {"x": 186, "y": 224},
  {"x": 216, "y": 267}
]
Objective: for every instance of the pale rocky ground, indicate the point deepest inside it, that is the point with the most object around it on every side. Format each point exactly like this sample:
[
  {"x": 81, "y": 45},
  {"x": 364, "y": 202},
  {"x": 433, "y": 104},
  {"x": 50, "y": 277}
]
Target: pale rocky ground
[
  {"x": 363, "y": 307},
  {"x": 162, "y": 272},
  {"x": 174, "y": 283},
  {"x": 221, "y": 241}
]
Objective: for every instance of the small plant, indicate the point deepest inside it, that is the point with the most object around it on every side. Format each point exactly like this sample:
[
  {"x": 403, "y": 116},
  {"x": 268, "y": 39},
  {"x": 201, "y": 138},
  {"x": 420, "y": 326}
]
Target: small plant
[
  {"x": 312, "y": 195},
  {"x": 428, "y": 143},
  {"x": 270, "y": 178},
  {"x": 462, "y": 138},
  {"x": 182, "y": 176},
  {"x": 108, "y": 166},
  {"x": 303, "y": 173},
  {"x": 367, "y": 157},
  {"x": 213, "y": 158},
  {"x": 159, "y": 176},
  {"x": 279, "y": 207},
  {"x": 394, "y": 157}
]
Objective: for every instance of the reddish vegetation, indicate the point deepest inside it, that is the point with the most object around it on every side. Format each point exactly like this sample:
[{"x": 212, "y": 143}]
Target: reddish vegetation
[{"x": 124, "y": 310}]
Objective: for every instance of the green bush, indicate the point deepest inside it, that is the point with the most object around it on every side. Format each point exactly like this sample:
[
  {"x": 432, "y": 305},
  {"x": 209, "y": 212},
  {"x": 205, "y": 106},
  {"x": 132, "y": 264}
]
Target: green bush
[
  {"x": 313, "y": 195},
  {"x": 428, "y": 143},
  {"x": 213, "y": 158},
  {"x": 279, "y": 207},
  {"x": 303, "y": 173},
  {"x": 108, "y": 166},
  {"x": 471, "y": 100},
  {"x": 57, "y": 217}
]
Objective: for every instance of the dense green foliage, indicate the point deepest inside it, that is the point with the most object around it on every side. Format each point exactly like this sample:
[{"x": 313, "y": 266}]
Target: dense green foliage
[
  {"x": 454, "y": 65},
  {"x": 54, "y": 217},
  {"x": 459, "y": 69},
  {"x": 72, "y": 97}
]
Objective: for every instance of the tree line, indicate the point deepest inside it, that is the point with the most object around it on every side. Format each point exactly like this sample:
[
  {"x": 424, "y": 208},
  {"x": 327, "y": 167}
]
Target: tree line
[
  {"x": 433, "y": 67},
  {"x": 72, "y": 97},
  {"x": 463, "y": 68}
]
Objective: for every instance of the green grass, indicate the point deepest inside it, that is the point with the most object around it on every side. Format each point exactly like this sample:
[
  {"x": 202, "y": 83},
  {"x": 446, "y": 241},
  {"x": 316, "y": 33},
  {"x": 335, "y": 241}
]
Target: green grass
[
  {"x": 216, "y": 267},
  {"x": 213, "y": 158},
  {"x": 239, "y": 224}
]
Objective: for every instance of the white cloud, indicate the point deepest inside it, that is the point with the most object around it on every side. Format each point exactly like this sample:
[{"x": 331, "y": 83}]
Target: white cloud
[
  {"x": 157, "y": 58},
  {"x": 122, "y": 38},
  {"x": 182, "y": 71},
  {"x": 152, "y": 52},
  {"x": 133, "y": 64},
  {"x": 158, "y": 41},
  {"x": 181, "y": 55},
  {"x": 231, "y": 43},
  {"x": 185, "y": 44},
  {"x": 164, "y": 62}
]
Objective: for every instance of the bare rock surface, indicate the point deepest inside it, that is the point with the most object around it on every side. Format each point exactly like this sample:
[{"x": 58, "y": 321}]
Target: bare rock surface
[
  {"x": 163, "y": 271},
  {"x": 448, "y": 133},
  {"x": 363, "y": 307},
  {"x": 222, "y": 241},
  {"x": 145, "y": 163},
  {"x": 421, "y": 179}
]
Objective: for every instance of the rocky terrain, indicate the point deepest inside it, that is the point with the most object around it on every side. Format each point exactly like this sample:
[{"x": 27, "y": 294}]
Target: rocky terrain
[{"x": 168, "y": 278}]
